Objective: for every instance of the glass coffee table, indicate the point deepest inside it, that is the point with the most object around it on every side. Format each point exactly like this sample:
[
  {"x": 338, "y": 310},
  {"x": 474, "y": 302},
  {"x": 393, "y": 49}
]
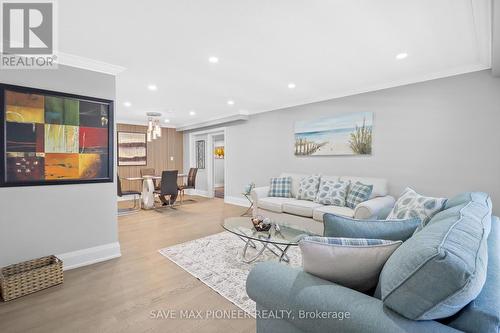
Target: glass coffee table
[{"x": 277, "y": 240}]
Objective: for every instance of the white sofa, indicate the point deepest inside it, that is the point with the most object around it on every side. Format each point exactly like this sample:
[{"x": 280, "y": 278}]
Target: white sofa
[{"x": 309, "y": 214}]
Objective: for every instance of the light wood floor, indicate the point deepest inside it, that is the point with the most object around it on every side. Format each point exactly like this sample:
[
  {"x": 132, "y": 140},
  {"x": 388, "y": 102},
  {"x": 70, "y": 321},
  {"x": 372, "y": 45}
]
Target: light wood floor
[{"x": 119, "y": 295}]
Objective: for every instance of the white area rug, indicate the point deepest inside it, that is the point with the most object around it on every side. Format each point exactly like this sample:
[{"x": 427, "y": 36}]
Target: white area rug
[{"x": 216, "y": 261}]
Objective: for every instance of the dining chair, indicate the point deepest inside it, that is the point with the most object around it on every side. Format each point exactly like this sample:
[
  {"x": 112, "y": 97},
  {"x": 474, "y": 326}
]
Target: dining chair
[
  {"x": 168, "y": 187},
  {"x": 121, "y": 193},
  {"x": 191, "y": 183},
  {"x": 150, "y": 172}
]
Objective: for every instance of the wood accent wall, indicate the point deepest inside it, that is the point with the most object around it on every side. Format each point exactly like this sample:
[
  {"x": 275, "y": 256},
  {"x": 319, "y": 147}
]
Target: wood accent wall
[{"x": 159, "y": 153}]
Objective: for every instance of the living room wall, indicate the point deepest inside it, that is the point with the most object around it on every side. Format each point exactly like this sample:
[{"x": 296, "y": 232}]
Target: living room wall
[
  {"x": 77, "y": 222},
  {"x": 440, "y": 137}
]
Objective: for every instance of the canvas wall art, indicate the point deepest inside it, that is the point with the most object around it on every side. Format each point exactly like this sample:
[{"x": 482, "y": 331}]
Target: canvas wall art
[
  {"x": 54, "y": 138},
  {"x": 132, "y": 148},
  {"x": 345, "y": 134}
]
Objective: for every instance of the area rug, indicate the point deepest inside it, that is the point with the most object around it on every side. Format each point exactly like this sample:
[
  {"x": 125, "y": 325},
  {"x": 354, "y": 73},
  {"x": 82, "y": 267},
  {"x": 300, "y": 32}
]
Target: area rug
[{"x": 216, "y": 261}]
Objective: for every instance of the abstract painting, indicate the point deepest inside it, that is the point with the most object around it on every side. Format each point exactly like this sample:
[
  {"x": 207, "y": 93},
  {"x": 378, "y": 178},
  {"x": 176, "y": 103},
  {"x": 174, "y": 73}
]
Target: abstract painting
[
  {"x": 200, "y": 154},
  {"x": 345, "y": 134},
  {"x": 54, "y": 138},
  {"x": 132, "y": 148}
]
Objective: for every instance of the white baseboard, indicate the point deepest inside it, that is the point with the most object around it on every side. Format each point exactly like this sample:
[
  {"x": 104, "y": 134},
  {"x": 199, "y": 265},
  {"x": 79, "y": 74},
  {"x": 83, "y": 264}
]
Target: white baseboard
[
  {"x": 200, "y": 193},
  {"x": 238, "y": 201},
  {"x": 89, "y": 256},
  {"x": 126, "y": 198}
]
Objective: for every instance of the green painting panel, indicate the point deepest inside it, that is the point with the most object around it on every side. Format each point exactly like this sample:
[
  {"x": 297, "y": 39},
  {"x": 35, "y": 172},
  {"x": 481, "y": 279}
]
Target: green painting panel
[
  {"x": 61, "y": 111},
  {"x": 54, "y": 109},
  {"x": 71, "y": 112}
]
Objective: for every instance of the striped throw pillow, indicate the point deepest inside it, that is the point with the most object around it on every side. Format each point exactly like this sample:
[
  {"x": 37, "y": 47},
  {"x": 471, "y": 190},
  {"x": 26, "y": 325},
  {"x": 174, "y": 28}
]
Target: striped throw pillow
[
  {"x": 358, "y": 192},
  {"x": 280, "y": 187}
]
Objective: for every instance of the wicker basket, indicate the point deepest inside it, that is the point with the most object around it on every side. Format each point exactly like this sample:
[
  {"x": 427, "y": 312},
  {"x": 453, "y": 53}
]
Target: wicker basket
[{"x": 30, "y": 276}]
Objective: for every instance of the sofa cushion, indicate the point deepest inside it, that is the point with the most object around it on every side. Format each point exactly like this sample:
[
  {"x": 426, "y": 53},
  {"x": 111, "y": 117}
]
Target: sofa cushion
[
  {"x": 483, "y": 313},
  {"x": 339, "y": 226},
  {"x": 358, "y": 193},
  {"x": 351, "y": 262},
  {"x": 379, "y": 184},
  {"x": 411, "y": 204},
  {"x": 332, "y": 192},
  {"x": 308, "y": 188},
  {"x": 280, "y": 187},
  {"x": 273, "y": 204},
  {"x": 441, "y": 268},
  {"x": 320, "y": 211},
  {"x": 300, "y": 207}
]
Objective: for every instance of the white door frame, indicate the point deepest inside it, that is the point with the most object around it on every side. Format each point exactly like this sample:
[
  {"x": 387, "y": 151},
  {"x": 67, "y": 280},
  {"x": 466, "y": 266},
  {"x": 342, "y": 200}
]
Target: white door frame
[{"x": 209, "y": 156}]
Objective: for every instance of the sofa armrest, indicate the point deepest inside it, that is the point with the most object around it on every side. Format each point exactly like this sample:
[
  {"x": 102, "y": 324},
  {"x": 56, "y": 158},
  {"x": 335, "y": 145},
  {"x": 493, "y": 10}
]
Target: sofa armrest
[
  {"x": 374, "y": 207},
  {"x": 259, "y": 192},
  {"x": 280, "y": 288}
]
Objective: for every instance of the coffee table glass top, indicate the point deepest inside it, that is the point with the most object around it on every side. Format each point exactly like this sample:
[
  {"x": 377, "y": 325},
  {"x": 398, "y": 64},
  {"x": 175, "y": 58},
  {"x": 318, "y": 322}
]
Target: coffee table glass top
[{"x": 285, "y": 234}]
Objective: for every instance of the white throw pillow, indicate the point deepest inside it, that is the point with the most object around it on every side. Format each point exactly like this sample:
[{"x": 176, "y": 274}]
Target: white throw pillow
[
  {"x": 308, "y": 188},
  {"x": 352, "y": 262},
  {"x": 332, "y": 192},
  {"x": 411, "y": 204}
]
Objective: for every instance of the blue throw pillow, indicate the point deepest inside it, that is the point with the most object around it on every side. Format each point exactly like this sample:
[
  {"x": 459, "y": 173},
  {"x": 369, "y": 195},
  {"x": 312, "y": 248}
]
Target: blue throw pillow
[
  {"x": 339, "y": 226},
  {"x": 280, "y": 187}
]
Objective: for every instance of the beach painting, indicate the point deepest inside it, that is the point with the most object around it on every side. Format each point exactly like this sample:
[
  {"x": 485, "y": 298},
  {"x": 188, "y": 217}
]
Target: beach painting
[{"x": 344, "y": 134}]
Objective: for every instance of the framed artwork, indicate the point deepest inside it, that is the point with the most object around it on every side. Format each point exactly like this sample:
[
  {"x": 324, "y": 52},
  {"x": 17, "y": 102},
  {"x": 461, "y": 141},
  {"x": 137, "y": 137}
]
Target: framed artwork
[
  {"x": 346, "y": 134},
  {"x": 200, "y": 154},
  {"x": 49, "y": 138},
  {"x": 132, "y": 148}
]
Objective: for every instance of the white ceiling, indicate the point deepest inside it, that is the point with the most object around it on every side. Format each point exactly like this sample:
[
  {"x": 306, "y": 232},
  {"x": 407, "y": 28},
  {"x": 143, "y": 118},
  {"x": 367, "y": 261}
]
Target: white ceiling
[{"x": 327, "y": 48}]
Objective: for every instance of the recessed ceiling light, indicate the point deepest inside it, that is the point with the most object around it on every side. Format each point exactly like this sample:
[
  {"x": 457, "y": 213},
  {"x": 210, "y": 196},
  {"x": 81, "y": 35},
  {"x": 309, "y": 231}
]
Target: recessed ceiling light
[
  {"x": 127, "y": 104},
  {"x": 230, "y": 102},
  {"x": 291, "y": 85},
  {"x": 401, "y": 56},
  {"x": 192, "y": 113},
  {"x": 152, "y": 87},
  {"x": 167, "y": 120},
  {"x": 213, "y": 60}
]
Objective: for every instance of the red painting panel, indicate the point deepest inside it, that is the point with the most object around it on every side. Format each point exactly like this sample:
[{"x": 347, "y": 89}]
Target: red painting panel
[{"x": 93, "y": 140}]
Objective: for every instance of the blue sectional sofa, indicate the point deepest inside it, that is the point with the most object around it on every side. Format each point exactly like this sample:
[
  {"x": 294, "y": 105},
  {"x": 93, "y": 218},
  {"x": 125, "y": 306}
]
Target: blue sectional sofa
[{"x": 291, "y": 300}]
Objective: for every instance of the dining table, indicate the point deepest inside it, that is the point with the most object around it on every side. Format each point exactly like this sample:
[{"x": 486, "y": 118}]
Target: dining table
[{"x": 148, "y": 188}]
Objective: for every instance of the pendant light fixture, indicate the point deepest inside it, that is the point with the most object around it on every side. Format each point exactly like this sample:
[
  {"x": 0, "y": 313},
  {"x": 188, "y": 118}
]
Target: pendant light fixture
[{"x": 154, "y": 129}]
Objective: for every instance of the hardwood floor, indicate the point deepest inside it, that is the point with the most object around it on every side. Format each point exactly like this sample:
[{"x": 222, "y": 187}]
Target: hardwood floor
[{"x": 119, "y": 295}]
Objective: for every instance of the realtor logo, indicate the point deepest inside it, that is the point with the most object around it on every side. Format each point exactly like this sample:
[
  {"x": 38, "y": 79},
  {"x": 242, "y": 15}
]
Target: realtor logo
[{"x": 27, "y": 34}]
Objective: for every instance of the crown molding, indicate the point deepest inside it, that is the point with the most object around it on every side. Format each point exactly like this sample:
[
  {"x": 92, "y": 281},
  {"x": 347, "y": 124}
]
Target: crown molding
[
  {"x": 213, "y": 122},
  {"x": 72, "y": 60}
]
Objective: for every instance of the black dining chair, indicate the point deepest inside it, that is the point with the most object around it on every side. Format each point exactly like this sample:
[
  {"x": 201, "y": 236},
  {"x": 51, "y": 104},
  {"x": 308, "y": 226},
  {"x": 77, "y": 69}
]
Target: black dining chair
[
  {"x": 168, "y": 188},
  {"x": 191, "y": 182},
  {"x": 121, "y": 193}
]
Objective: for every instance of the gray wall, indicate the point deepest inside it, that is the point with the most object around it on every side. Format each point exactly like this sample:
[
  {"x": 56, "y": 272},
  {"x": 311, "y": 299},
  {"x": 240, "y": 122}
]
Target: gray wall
[
  {"x": 440, "y": 137},
  {"x": 42, "y": 220},
  {"x": 495, "y": 54}
]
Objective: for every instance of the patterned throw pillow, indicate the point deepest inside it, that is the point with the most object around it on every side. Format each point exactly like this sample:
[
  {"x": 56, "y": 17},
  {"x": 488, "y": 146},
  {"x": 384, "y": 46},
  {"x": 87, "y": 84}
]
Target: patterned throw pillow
[
  {"x": 412, "y": 204},
  {"x": 281, "y": 187},
  {"x": 308, "y": 188},
  {"x": 352, "y": 262},
  {"x": 332, "y": 192},
  {"x": 358, "y": 192}
]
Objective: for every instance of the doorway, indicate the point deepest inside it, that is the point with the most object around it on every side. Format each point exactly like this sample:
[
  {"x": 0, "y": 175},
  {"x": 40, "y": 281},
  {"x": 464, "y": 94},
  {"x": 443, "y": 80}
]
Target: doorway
[
  {"x": 218, "y": 151},
  {"x": 211, "y": 178}
]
